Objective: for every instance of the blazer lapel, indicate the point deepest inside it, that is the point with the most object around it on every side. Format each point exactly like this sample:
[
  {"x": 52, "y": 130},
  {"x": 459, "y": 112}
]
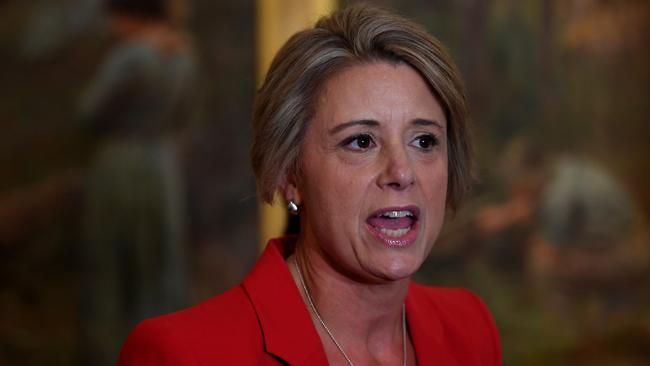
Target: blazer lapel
[
  {"x": 287, "y": 328},
  {"x": 427, "y": 332}
]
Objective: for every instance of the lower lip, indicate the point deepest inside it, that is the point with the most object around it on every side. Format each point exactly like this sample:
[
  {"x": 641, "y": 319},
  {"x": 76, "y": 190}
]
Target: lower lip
[{"x": 391, "y": 241}]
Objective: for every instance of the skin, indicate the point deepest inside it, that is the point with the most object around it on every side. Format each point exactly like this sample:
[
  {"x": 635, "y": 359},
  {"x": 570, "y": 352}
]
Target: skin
[{"x": 395, "y": 157}]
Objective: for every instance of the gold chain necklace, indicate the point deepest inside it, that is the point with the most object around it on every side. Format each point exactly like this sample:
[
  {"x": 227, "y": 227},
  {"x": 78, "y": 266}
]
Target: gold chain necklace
[{"x": 327, "y": 329}]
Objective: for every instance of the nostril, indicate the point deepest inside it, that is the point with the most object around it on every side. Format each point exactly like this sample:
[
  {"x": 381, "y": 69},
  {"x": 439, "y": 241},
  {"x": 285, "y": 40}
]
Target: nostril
[
  {"x": 399, "y": 184},
  {"x": 396, "y": 179}
]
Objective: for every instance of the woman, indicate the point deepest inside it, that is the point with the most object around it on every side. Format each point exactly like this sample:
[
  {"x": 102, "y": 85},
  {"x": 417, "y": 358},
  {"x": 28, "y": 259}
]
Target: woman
[
  {"x": 133, "y": 253},
  {"x": 360, "y": 124}
]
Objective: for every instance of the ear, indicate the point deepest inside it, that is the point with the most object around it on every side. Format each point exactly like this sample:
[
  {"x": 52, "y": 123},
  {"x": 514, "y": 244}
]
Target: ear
[{"x": 290, "y": 189}]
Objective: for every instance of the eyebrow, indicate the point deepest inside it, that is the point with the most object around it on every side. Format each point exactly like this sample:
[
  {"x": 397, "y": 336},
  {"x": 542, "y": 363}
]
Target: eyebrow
[
  {"x": 427, "y": 122},
  {"x": 361, "y": 122},
  {"x": 373, "y": 123}
]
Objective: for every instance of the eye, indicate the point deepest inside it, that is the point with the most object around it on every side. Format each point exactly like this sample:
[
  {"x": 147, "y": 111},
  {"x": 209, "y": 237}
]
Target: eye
[
  {"x": 425, "y": 142},
  {"x": 359, "y": 142}
]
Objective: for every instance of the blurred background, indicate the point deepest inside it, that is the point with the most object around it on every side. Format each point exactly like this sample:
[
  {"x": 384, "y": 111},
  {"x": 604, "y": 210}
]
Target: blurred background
[{"x": 125, "y": 187}]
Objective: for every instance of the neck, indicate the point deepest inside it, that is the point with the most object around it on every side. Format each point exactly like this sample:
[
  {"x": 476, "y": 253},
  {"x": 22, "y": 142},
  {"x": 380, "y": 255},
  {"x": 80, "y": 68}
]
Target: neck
[{"x": 366, "y": 317}]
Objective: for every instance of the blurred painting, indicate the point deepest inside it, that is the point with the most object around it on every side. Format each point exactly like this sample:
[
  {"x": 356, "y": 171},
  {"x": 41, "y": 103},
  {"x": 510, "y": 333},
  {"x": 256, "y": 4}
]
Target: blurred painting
[{"x": 126, "y": 189}]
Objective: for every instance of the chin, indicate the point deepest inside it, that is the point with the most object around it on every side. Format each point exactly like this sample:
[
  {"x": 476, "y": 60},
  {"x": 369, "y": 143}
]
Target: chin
[
  {"x": 400, "y": 268},
  {"x": 396, "y": 263}
]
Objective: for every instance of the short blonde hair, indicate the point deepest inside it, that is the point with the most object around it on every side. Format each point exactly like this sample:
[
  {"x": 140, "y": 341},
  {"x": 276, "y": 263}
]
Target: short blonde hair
[{"x": 358, "y": 34}]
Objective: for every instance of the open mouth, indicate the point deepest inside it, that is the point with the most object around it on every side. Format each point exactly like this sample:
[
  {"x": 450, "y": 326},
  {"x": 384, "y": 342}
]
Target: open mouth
[{"x": 394, "y": 225}]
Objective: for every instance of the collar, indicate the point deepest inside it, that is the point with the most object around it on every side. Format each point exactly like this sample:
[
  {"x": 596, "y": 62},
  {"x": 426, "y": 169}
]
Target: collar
[{"x": 287, "y": 328}]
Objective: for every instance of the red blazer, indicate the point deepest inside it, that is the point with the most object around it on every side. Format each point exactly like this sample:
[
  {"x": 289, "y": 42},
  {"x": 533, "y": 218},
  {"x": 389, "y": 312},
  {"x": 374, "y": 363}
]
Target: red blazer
[{"x": 264, "y": 321}]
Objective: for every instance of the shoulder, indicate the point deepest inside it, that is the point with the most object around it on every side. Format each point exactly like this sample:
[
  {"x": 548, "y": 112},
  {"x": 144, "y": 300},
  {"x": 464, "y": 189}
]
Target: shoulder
[
  {"x": 220, "y": 330},
  {"x": 465, "y": 319}
]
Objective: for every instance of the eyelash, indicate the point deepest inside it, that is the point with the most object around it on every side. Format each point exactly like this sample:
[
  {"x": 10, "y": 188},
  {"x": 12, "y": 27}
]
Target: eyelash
[
  {"x": 365, "y": 138},
  {"x": 348, "y": 141},
  {"x": 432, "y": 140}
]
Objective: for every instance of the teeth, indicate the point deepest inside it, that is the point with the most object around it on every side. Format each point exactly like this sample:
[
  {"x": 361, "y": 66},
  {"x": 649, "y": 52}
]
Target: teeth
[
  {"x": 397, "y": 214},
  {"x": 395, "y": 233}
]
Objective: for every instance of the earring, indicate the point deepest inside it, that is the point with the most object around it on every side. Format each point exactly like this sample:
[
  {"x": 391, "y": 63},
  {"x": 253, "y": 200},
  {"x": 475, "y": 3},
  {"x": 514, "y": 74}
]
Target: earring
[{"x": 293, "y": 208}]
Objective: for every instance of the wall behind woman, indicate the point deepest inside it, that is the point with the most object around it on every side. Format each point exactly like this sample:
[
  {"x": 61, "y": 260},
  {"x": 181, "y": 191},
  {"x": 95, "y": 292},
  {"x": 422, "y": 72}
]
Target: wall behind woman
[{"x": 559, "y": 94}]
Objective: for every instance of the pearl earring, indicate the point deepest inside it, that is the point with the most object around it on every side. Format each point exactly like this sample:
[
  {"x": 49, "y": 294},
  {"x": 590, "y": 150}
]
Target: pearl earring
[{"x": 292, "y": 207}]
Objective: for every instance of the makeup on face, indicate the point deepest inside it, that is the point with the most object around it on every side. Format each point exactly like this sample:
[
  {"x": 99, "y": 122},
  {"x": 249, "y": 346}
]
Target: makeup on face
[{"x": 374, "y": 172}]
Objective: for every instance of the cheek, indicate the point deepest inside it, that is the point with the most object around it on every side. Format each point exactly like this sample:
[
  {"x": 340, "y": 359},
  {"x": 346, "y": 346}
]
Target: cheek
[
  {"x": 435, "y": 193},
  {"x": 333, "y": 188},
  {"x": 435, "y": 188},
  {"x": 343, "y": 191},
  {"x": 334, "y": 201}
]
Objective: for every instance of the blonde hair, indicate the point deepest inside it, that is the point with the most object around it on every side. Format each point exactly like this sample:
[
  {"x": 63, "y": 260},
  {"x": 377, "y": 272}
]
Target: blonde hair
[{"x": 358, "y": 34}]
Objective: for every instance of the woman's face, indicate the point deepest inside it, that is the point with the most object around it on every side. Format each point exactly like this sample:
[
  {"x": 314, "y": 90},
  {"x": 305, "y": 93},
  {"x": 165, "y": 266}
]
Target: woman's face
[{"x": 373, "y": 177}]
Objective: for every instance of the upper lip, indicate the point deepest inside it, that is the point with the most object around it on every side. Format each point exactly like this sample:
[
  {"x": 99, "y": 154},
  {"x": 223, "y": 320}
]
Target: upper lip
[{"x": 413, "y": 210}]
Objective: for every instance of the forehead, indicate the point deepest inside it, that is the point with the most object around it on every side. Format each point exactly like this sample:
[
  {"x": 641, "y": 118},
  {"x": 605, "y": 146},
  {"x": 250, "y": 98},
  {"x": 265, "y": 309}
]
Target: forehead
[{"x": 380, "y": 91}]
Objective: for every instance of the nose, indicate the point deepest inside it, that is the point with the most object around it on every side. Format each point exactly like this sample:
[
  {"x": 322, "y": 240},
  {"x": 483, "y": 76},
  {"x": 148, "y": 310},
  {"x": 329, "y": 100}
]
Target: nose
[{"x": 396, "y": 170}]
